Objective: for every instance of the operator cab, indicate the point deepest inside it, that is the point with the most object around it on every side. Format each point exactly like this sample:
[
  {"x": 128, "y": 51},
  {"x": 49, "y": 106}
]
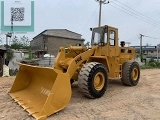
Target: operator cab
[{"x": 100, "y": 36}]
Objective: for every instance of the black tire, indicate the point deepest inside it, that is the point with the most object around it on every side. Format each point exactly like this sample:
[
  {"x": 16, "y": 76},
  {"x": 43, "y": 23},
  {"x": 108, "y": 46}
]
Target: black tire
[
  {"x": 130, "y": 73},
  {"x": 93, "y": 80}
]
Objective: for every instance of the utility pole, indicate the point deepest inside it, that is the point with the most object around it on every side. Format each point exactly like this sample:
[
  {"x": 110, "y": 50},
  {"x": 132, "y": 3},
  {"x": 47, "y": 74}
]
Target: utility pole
[
  {"x": 9, "y": 34},
  {"x": 158, "y": 46},
  {"x": 141, "y": 51},
  {"x": 100, "y": 9}
]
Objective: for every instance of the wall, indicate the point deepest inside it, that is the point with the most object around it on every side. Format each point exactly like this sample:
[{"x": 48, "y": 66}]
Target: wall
[
  {"x": 54, "y": 43},
  {"x": 151, "y": 53},
  {"x": 25, "y": 55},
  {"x": 37, "y": 43},
  {"x": 17, "y": 56},
  {"x": 46, "y": 61},
  {"x": 47, "y": 41}
]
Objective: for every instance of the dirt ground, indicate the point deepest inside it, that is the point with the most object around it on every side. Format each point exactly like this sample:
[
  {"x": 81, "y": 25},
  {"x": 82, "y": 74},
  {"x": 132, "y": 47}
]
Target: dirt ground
[{"x": 141, "y": 102}]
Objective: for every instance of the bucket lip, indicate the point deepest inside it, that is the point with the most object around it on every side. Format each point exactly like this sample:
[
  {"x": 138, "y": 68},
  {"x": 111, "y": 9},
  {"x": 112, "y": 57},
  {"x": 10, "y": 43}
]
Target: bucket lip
[{"x": 22, "y": 64}]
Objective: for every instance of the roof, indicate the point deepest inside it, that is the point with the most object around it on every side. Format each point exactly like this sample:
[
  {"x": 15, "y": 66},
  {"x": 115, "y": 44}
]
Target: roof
[
  {"x": 106, "y": 26},
  {"x": 58, "y": 33},
  {"x": 149, "y": 48}
]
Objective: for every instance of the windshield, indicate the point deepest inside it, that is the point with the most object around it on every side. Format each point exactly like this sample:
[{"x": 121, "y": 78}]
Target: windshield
[{"x": 99, "y": 35}]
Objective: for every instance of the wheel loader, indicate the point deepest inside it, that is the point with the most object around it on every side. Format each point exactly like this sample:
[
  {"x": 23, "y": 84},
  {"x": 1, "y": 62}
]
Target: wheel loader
[{"x": 43, "y": 91}]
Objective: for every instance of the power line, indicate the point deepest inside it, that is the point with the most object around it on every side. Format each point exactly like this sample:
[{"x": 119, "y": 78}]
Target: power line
[
  {"x": 135, "y": 39},
  {"x": 138, "y": 12},
  {"x": 150, "y": 37},
  {"x": 134, "y": 16},
  {"x": 138, "y": 15},
  {"x": 89, "y": 19}
]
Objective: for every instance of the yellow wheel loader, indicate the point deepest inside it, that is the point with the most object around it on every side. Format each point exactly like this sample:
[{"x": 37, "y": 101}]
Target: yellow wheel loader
[{"x": 44, "y": 91}]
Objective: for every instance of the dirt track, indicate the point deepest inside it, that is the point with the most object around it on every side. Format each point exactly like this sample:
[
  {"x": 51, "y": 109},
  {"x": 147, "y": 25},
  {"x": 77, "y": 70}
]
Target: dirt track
[{"x": 141, "y": 102}]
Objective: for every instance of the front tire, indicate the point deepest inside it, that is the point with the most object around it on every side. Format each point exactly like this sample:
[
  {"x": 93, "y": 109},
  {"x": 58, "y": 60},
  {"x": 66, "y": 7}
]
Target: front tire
[{"x": 93, "y": 80}]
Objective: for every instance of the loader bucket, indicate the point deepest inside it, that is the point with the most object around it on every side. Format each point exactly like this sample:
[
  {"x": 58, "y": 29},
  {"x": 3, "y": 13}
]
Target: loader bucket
[{"x": 41, "y": 91}]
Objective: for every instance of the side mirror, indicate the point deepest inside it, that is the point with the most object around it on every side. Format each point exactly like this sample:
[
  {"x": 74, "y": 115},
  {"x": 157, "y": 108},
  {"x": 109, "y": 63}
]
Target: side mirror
[{"x": 90, "y": 29}]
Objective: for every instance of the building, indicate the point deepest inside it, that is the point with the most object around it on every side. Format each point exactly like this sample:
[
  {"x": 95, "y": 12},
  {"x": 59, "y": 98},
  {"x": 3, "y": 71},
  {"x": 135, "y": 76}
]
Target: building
[
  {"x": 49, "y": 41},
  {"x": 148, "y": 51}
]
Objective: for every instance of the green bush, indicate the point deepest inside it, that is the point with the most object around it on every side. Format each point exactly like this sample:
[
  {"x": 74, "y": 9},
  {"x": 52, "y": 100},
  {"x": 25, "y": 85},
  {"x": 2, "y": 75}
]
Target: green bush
[
  {"x": 153, "y": 64},
  {"x": 151, "y": 60},
  {"x": 158, "y": 65},
  {"x": 146, "y": 67}
]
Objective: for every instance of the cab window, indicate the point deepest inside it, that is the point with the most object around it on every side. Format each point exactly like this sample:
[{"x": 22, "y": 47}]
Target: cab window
[
  {"x": 112, "y": 37},
  {"x": 99, "y": 36},
  {"x": 105, "y": 36}
]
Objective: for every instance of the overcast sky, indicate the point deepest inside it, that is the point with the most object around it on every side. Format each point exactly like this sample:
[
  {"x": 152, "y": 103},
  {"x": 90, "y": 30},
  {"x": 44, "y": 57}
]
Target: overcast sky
[{"x": 80, "y": 15}]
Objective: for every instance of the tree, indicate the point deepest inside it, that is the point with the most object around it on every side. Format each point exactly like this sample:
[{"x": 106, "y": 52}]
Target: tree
[
  {"x": 25, "y": 41},
  {"x": 15, "y": 40},
  {"x": 20, "y": 43},
  {"x": 17, "y": 43}
]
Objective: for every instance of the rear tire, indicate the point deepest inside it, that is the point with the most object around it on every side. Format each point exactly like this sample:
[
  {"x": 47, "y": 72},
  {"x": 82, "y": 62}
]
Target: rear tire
[
  {"x": 130, "y": 73},
  {"x": 93, "y": 80}
]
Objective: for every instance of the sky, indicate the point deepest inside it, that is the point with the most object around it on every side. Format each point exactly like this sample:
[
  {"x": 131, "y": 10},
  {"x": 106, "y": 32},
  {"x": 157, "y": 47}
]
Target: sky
[{"x": 131, "y": 17}]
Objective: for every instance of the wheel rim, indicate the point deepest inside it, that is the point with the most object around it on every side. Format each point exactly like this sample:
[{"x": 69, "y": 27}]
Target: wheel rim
[
  {"x": 99, "y": 81},
  {"x": 135, "y": 74}
]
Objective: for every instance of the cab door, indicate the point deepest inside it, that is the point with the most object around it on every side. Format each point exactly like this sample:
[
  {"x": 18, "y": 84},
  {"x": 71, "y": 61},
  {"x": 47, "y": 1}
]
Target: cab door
[
  {"x": 113, "y": 42},
  {"x": 113, "y": 59}
]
